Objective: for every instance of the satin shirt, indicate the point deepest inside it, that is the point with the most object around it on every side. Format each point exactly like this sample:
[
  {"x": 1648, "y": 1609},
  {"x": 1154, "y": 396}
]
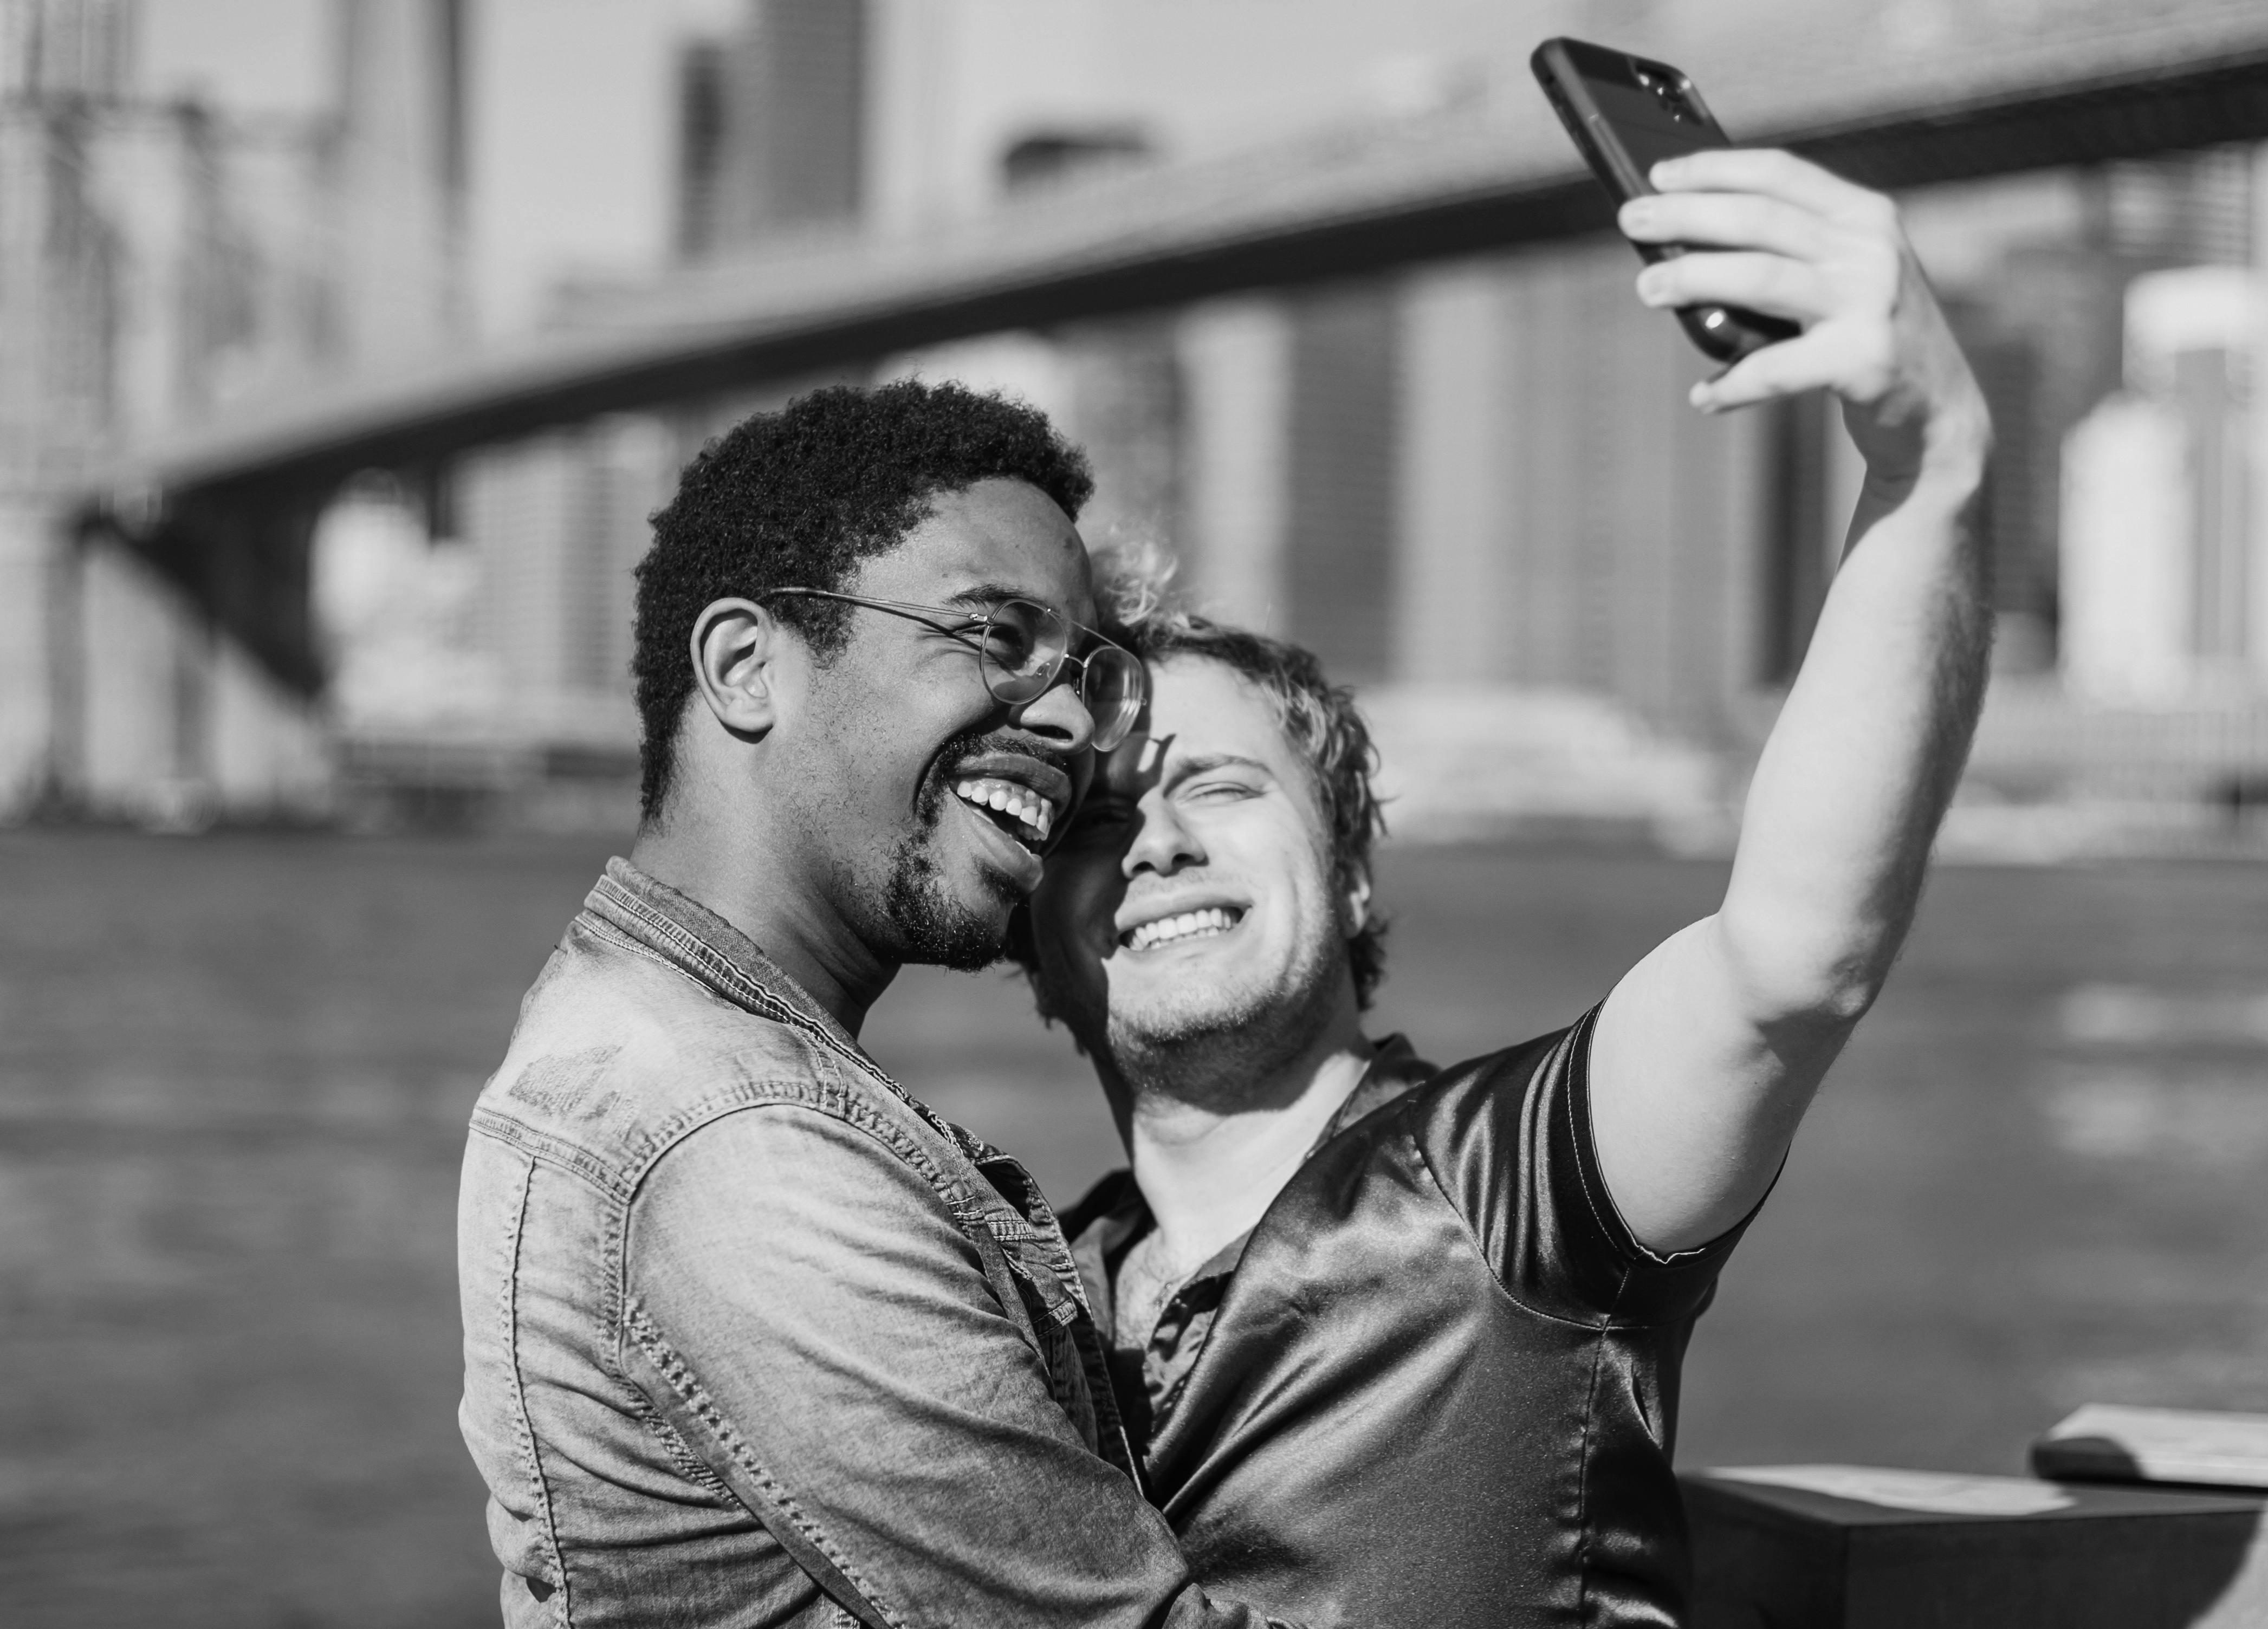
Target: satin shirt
[{"x": 1438, "y": 1382}]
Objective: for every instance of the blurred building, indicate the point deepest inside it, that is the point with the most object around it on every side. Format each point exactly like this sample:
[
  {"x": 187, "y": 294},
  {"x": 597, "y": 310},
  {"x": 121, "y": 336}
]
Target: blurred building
[
  {"x": 526, "y": 707},
  {"x": 771, "y": 123},
  {"x": 161, "y": 261},
  {"x": 1474, "y": 488},
  {"x": 1469, "y": 480}
]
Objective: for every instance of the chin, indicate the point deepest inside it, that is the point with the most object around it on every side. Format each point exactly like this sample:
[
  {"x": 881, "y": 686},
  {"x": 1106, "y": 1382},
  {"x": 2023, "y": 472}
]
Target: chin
[
  {"x": 1184, "y": 1017},
  {"x": 958, "y": 919},
  {"x": 1206, "y": 1010},
  {"x": 964, "y": 944}
]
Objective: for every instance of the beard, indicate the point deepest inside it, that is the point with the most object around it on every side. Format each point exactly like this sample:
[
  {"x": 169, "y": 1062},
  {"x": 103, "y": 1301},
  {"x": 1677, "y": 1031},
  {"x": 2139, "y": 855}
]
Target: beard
[
  {"x": 1209, "y": 1049},
  {"x": 935, "y": 927}
]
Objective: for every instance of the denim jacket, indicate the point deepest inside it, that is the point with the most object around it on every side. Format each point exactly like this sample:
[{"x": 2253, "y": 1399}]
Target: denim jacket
[{"x": 753, "y": 1338}]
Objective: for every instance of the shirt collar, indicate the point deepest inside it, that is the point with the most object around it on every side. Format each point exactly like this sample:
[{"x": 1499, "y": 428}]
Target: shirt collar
[
  {"x": 1395, "y": 1067},
  {"x": 1120, "y": 1214}
]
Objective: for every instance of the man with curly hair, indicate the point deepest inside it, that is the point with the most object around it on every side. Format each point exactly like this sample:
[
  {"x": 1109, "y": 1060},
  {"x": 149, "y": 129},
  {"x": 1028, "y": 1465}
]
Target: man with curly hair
[
  {"x": 751, "y": 1336},
  {"x": 1401, "y": 1344}
]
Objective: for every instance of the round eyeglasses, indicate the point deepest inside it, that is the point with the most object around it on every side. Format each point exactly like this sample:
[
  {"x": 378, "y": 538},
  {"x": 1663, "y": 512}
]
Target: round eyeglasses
[{"x": 1022, "y": 648}]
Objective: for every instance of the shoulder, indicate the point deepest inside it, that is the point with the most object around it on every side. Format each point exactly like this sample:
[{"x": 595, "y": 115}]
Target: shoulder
[
  {"x": 617, "y": 1057},
  {"x": 1468, "y": 1107},
  {"x": 1464, "y": 1121},
  {"x": 775, "y": 1167},
  {"x": 1508, "y": 1138}
]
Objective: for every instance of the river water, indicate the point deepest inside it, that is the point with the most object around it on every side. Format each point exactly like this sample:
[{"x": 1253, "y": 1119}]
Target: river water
[{"x": 234, "y": 1072}]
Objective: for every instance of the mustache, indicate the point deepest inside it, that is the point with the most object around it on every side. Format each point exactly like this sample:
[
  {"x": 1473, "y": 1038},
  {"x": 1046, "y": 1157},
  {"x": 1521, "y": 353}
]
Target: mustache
[{"x": 937, "y": 784}]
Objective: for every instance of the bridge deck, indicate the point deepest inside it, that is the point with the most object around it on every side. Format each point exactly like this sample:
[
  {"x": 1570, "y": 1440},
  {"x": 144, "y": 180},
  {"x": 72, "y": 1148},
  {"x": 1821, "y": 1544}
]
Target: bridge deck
[{"x": 1977, "y": 91}]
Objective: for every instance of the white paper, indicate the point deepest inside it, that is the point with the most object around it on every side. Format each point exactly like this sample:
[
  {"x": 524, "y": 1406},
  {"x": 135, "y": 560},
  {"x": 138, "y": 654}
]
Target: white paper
[
  {"x": 2179, "y": 1445},
  {"x": 1935, "y": 1491}
]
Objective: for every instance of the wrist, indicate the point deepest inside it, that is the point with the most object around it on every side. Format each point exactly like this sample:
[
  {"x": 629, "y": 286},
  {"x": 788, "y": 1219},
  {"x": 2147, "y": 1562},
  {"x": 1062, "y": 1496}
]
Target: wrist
[{"x": 1943, "y": 466}]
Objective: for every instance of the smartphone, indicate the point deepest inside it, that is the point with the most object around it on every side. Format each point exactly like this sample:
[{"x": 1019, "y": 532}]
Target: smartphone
[{"x": 1626, "y": 114}]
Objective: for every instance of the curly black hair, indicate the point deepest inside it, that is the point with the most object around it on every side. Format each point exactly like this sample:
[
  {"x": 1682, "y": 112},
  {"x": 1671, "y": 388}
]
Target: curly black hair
[{"x": 802, "y": 496}]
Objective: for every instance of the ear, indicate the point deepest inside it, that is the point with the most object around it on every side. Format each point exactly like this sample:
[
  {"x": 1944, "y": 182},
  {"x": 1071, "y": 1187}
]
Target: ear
[
  {"x": 1354, "y": 896},
  {"x": 736, "y": 649}
]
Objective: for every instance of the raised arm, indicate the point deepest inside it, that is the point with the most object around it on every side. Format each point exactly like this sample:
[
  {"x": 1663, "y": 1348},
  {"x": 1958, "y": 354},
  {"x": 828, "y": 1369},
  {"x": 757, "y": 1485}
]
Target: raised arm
[{"x": 1708, "y": 1052}]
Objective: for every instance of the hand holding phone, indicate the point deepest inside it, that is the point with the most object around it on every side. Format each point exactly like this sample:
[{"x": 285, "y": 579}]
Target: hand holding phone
[
  {"x": 1797, "y": 278},
  {"x": 1627, "y": 114}
]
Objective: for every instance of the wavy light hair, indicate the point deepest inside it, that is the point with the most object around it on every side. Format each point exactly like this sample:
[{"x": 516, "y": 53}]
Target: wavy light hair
[{"x": 1139, "y": 608}]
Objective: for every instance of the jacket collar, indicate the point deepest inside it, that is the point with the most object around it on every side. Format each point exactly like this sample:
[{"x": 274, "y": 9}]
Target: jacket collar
[
  {"x": 712, "y": 951},
  {"x": 701, "y": 944}
]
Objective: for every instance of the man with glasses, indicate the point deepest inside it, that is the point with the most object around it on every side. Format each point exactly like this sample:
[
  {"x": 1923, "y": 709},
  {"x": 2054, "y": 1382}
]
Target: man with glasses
[
  {"x": 1401, "y": 1344},
  {"x": 750, "y": 1335}
]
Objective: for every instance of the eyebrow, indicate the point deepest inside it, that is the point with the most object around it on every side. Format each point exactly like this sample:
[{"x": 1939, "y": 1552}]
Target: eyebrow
[
  {"x": 986, "y": 595},
  {"x": 991, "y": 594}
]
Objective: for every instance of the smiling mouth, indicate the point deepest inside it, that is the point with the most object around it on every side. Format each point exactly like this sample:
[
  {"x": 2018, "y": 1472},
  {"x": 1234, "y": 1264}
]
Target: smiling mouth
[
  {"x": 1023, "y": 814},
  {"x": 1210, "y": 922}
]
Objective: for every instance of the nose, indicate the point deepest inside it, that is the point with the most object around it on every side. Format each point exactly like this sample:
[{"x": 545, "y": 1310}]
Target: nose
[
  {"x": 1059, "y": 717},
  {"x": 1163, "y": 842}
]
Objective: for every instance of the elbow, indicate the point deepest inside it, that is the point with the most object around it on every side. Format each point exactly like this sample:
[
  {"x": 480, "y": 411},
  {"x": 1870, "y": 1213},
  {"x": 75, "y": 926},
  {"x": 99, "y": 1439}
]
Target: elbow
[
  {"x": 1809, "y": 1022},
  {"x": 1801, "y": 990},
  {"x": 1835, "y": 1003}
]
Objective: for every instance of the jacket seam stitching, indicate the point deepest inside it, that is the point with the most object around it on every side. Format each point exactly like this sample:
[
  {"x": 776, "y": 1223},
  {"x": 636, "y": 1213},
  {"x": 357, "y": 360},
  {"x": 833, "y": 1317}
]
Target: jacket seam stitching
[
  {"x": 542, "y": 1147},
  {"x": 970, "y": 1216},
  {"x": 825, "y": 1098},
  {"x": 728, "y": 978},
  {"x": 705, "y": 957},
  {"x": 681, "y": 1379},
  {"x": 522, "y": 1426},
  {"x": 598, "y": 927},
  {"x": 724, "y": 975}
]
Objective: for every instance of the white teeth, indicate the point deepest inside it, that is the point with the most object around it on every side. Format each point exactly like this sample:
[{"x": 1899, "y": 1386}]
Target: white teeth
[
  {"x": 1189, "y": 924},
  {"x": 1029, "y": 809}
]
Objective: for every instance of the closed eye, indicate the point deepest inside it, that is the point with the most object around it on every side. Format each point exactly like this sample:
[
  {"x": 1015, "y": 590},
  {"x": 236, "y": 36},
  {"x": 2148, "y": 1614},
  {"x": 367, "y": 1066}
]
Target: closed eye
[{"x": 1009, "y": 646}]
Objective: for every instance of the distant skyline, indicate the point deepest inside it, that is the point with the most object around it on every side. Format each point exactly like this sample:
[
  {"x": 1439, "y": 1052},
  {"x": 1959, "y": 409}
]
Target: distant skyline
[{"x": 573, "y": 120}]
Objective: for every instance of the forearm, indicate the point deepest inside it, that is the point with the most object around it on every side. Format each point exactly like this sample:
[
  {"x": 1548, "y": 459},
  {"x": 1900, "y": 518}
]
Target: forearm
[
  {"x": 1706, "y": 1055},
  {"x": 1709, "y": 1050},
  {"x": 1848, "y": 793}
]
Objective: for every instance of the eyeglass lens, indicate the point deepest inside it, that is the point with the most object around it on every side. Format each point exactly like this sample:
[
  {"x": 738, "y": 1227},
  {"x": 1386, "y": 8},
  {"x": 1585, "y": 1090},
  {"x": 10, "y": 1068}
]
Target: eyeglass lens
[{"x": 1023, "y": 649}]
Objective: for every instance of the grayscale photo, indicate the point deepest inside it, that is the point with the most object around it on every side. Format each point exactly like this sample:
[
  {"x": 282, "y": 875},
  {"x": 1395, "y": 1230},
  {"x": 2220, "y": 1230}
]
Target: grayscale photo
[{"x": 1133, "y": 814}]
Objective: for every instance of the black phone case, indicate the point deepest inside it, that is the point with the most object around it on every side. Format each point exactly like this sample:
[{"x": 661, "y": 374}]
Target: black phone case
[{"x": 1626, "y": 115}]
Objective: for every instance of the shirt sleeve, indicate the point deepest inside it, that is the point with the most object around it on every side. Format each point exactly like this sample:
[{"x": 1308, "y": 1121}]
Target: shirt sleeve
[
  {"x": 1509, "y": 1137},
  {"x": 808, "y": 1316}
]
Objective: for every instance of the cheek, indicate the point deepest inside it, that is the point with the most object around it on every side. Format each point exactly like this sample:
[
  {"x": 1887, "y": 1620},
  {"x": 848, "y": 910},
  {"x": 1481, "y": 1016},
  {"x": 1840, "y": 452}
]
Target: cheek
[
  {"x": 1279, "y": 858},
  {"x": 882, "y": 738}
]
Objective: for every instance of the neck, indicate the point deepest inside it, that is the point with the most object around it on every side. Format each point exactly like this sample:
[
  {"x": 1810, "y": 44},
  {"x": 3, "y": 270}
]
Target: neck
[
  {"x": 765, "y": 891},
  {"x": 1210, "y": 1169}
]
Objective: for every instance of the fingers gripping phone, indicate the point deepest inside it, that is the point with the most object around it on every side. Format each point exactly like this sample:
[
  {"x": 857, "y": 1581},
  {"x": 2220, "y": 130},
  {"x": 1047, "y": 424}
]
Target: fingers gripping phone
[{"x": 1626, "y": 114}]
